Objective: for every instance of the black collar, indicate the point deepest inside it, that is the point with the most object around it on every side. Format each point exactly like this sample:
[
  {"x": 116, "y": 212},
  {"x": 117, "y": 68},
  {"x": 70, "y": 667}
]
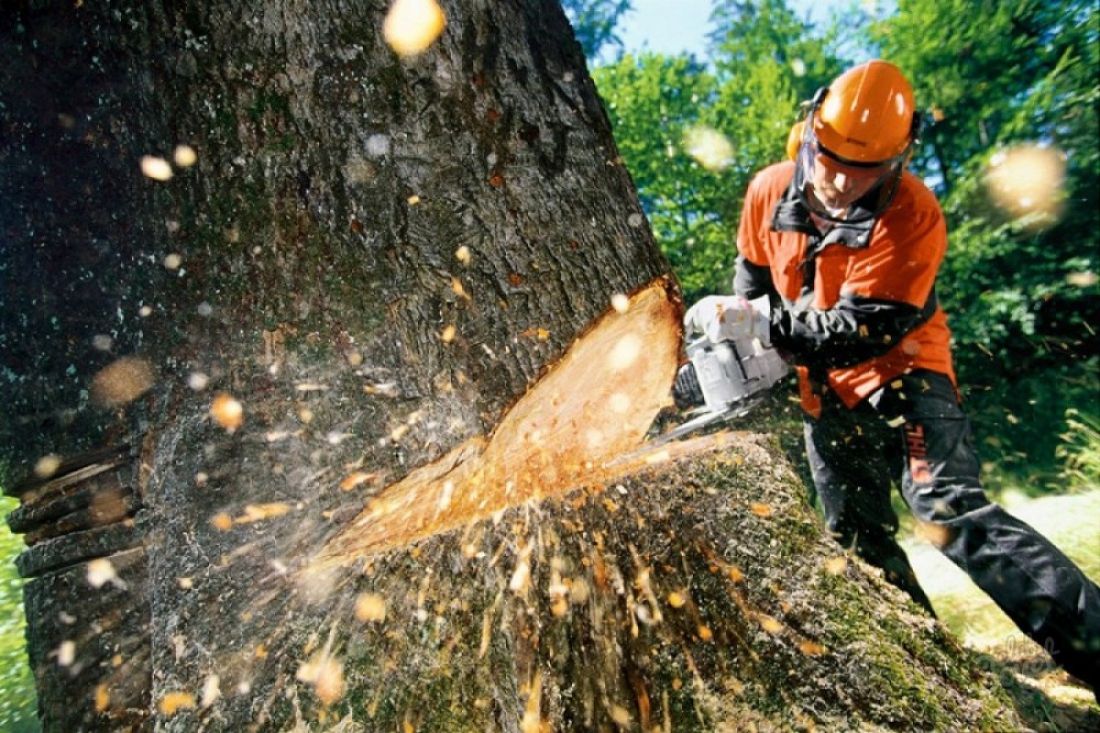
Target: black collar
[{"x": 791, "y": 215}]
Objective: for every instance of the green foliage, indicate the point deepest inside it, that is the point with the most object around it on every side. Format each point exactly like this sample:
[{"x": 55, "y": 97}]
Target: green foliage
[
  {"x": 1020, "y": 422},
  {"x": 995, "y": 70},
  {"x": 653, "y": 100},
  {"x": 18, "y": 706},
  {"x": 749, "y": 37},
  {"x": 594, "y": 23},
  {"x": 1001, "y": 74},
  {"x": 763, "y": 62}
]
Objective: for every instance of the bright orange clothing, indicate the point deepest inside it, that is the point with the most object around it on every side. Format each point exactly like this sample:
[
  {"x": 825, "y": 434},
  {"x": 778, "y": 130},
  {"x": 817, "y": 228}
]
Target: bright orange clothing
[{"x": 898, "y": 263}]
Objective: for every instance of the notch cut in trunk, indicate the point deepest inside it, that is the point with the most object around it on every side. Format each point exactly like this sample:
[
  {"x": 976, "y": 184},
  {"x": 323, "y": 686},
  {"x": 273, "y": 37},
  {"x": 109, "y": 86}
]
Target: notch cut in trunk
[{"x": 572, "y": 428}]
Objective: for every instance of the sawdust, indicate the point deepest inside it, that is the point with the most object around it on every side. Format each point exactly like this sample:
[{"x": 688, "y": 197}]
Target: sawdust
[{"x": 571, "y": 429}]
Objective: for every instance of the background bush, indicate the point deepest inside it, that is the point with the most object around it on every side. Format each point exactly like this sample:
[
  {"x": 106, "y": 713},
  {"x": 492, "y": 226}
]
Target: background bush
[{"x": 18, "y": 706}]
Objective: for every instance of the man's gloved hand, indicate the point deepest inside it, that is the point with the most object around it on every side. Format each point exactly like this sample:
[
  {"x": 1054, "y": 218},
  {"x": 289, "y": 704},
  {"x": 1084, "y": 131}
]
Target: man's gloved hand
[{"x": 729, "y": 318}]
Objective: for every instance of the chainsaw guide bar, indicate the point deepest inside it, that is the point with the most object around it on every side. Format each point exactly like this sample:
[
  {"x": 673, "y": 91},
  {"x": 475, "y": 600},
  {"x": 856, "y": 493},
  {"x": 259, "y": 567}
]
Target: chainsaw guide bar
[{"x": 705, "y": 420}]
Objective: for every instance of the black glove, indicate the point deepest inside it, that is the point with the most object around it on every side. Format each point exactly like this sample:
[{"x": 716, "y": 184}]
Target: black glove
[{"x": 686, "y": 391}]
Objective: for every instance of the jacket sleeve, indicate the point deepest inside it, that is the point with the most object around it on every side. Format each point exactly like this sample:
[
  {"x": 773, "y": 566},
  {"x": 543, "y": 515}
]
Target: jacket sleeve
[
  {"x": 752, "y": 276},
  {"x": 888, "y": 291},
  {"x": 752, "y": 281},
  {"x": 854, "y": 330}
]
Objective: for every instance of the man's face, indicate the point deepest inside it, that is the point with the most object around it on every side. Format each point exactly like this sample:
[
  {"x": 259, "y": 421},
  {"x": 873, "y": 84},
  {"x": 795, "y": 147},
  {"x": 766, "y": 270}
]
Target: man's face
[{"x": 838, "y": 186}]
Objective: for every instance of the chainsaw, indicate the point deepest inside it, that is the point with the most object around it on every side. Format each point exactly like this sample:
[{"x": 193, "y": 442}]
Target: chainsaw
[{"x": 722, "y": 381}]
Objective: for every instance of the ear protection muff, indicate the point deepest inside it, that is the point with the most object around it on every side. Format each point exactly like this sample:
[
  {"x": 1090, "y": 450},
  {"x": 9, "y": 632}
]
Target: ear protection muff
[{"x": 797, "y": 134}]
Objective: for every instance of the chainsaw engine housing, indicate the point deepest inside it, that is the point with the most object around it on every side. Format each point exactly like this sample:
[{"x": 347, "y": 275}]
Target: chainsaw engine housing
[{"x": 730, "y": 372}]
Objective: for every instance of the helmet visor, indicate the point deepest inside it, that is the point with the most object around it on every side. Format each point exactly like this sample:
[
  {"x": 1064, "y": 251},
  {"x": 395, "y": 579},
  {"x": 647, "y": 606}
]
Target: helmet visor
[{"x": 837, "y": 189}]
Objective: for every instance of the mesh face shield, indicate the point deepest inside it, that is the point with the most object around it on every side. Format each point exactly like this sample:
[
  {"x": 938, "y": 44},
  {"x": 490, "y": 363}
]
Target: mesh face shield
[{"x": 815, "y": 164}]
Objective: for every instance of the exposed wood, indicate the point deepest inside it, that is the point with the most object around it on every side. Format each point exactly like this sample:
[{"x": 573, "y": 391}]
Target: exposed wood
[
  {"x": 700, "y": 589},
  {"x": 592, "y": 407}
]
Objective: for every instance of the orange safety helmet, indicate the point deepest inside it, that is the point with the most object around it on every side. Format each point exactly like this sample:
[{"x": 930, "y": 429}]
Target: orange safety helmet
[
  {"x": 867, "y": 115},
  {"x": 867, "y": 121}
]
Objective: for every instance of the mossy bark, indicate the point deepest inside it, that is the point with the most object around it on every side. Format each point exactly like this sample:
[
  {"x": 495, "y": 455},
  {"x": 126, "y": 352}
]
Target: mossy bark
[{"x": 699, "y": 594}]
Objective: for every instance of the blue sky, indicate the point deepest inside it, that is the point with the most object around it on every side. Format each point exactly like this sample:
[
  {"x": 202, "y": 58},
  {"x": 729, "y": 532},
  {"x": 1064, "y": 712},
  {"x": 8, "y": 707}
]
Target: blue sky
[{"x": 671, "y": 26}]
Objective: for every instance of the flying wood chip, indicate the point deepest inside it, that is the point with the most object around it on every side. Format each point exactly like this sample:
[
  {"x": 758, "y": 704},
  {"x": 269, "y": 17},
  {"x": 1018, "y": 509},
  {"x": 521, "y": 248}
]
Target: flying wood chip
[
  {"x": 540, "y": 448},
  {"x": 222, "y": 522},
  {"x": 411, "y": 26},
  {"x": 211, "y": 690},
  {"x": 173, "y": 702},
  {"x": 185, "y": 156},
  {"x": 760, "y": 510},
  {"x": 259, "y": 512},
  {"x": 156, "y": 168},
  {"x": 769, "y": 624},
  {"x": 47, "y": 466},
  {"x": 66, "y": 653},
  {"x": 100, "y": 572},
  {"x": 357, "y": 478},
  {"x": 227, "y": 412},
  {"x": 122, "y": 382},
  {"x": 370, "y": 607},
  {"x": 102, "y": 697}
]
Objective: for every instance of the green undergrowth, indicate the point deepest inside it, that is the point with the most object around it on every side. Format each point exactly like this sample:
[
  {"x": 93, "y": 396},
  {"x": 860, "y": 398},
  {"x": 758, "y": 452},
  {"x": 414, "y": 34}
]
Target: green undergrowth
[
  {"x": 1038, "y": 433},
  {"x": 18, "y": 704}
]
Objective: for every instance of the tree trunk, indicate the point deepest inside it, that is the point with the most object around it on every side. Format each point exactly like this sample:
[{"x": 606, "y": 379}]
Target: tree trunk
[{"x": 400, "y": 272}]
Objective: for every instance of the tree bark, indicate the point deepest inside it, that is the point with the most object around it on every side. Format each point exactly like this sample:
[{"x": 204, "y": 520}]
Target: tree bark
[{"x": 377, "y": 258}]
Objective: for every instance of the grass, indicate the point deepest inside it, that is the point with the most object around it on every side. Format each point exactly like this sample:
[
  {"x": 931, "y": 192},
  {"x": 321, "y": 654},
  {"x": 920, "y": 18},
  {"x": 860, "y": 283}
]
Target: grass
[{"x": 18, "y": 704}]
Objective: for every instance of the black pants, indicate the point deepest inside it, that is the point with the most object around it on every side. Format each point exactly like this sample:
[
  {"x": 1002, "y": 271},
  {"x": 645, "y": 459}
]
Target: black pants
[{"x": 914, "y": 431}]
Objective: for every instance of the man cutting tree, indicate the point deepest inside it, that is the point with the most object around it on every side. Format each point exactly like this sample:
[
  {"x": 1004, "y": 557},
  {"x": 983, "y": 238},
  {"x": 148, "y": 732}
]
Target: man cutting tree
[{"x": 846, "y": 244}]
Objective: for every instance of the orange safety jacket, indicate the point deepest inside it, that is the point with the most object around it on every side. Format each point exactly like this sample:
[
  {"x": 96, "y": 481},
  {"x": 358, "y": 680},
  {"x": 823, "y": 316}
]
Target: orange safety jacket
[{"x": 853, "y": 308}]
